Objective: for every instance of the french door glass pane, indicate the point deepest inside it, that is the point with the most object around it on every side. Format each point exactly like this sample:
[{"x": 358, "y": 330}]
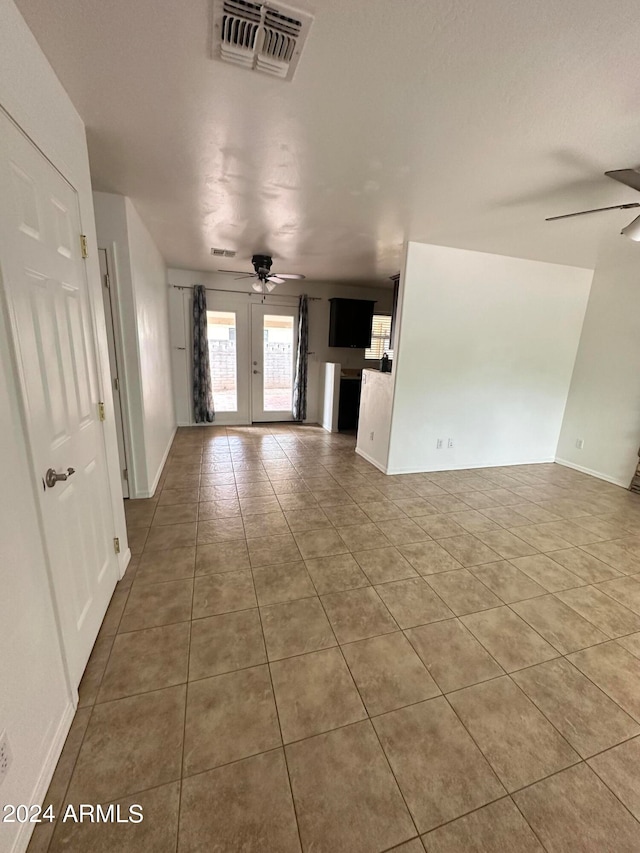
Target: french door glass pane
[
  {"x": 221, "y": 331},
  {"x": 278, "y": 363}
]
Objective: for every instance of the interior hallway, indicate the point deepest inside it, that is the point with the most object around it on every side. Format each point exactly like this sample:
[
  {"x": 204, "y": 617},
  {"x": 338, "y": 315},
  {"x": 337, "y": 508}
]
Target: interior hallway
[{"x": 305, "y": 652}]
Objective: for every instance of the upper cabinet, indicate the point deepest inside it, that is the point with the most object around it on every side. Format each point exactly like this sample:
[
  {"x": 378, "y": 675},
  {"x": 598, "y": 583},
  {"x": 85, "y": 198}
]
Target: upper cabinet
[{"x": 350, "y": 322}]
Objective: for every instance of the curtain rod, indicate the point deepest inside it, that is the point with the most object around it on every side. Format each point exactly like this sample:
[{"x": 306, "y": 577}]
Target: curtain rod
[{"x": 245, "y": 292}]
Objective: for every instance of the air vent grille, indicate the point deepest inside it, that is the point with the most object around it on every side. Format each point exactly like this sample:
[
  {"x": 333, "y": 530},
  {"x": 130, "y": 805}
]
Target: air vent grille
[
  {"x": 223, "y": 253},
  {"x": 260, "y": 37}
]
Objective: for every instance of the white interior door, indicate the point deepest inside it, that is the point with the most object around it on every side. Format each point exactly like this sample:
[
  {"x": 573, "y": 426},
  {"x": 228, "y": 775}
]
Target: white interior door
[
  {"x": 45, "y": 282},
  {"x": 274, "y": 340},
  {"x": 116, "y": 382}
]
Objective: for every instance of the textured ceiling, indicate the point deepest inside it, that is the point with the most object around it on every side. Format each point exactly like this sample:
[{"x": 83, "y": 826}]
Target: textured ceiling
[{"x": 449, "y": 121}]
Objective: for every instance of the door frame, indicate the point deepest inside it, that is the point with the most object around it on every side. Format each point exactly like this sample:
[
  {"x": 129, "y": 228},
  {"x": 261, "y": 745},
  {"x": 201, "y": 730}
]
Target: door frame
[
  {"x": 242, "y": 303},
  {"x": 238, "y": 304},
  {"x": 254, "y": 336},
  {"x": 118, "y": 342},
  {"x": 99, "y": 348}
]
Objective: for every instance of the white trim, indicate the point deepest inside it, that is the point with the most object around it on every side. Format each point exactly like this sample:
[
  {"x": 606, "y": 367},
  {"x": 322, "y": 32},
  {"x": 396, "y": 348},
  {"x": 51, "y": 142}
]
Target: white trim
[
  {"x": 21, "y": 841},
  {"x": 471, "y": 467},
  {"x": 371, "y": 460},
  {"x": 111, "y": 252},
  {"x": 156, "y": 479},
  {"x": 125, "y": 559},
  {"x": 592, "y": 473}
]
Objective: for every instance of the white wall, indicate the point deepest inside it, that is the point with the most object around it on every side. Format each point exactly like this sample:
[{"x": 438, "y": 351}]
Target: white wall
[
  {"x": 485, "y": 354},
  {"x": 603, "y": 407},
  {"x": 139, "y": 284},
  {"x": 149, "y": 277},
  {"x": 318, "y": 329},
  {"x": 36, "y": 702}
]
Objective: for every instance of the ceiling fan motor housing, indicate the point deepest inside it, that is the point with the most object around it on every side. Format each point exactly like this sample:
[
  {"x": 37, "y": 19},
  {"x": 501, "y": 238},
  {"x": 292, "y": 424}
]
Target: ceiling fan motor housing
[{"x": 262, "y": 265}]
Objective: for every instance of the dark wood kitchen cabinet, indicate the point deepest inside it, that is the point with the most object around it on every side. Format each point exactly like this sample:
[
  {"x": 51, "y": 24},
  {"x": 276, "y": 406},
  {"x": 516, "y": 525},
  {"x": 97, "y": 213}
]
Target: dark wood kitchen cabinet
[
  {"x": 349, "y": 404},
  {"x": 350, "y": 322}
]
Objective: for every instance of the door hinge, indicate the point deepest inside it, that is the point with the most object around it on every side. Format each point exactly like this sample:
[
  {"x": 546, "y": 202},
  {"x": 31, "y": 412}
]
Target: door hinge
[
  {"x": 116, "y": 383},
  {"x": 107, "y": 283},
  {"x": 83, "y": 246},
  {"x": 101, "y": 412},
  {"x": 116, "y": 545},
  {"x": 125, "y": 474}
]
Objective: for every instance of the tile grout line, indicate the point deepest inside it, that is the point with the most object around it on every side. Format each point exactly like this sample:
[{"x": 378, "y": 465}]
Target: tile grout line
[
  {"x": 569, "y": 520},
  {"x": 275, "y": 704},
  {"x": 184, "y": 721}
]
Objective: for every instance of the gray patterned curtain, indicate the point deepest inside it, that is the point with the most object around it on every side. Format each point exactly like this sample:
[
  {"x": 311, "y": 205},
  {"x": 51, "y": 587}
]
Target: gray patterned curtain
[
  {"x": 202, "y": 391},
  {"x": 300, "y": 383}
]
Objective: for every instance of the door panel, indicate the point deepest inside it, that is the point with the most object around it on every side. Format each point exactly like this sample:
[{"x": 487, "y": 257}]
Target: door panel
[
  {"x": 274, "y": 339},
  {"x": 228, "y": 333},
  {"x": 46, "y": 287}
]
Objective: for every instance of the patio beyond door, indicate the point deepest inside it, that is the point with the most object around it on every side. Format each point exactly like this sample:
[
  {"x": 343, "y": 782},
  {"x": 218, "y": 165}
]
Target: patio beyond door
[{"x": 274, "y": 339}]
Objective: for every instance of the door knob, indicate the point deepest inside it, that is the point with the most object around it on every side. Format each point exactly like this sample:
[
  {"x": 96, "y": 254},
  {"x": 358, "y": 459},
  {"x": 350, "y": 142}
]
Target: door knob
[
  {"x": 256, "y": 371},
  {"x": 51, "y": 477}
]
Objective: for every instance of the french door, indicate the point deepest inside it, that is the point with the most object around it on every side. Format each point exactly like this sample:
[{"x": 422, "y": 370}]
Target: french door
[
  {"x": 48, "y": 299},
  {"x": 274, "y": 339},
  {"x": 229, "y": 356},
  {"x": 252, "y": 352}
]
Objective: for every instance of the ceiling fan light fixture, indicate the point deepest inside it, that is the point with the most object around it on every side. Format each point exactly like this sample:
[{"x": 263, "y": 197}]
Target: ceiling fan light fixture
[
  {"x": 271, "y": 285},
  {"x": 257, "y": 286},
  {"x": 632, "y": 230}
]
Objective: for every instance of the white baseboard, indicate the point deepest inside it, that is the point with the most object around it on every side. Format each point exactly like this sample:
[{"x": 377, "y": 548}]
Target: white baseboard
[
  {"x": 371, "y": 460},
  {"x": 592, "y": 473},
  {"x": 21, "y": 841},
  {"x": 125, "y": 559},
  {"x": 152, "y": 489},
  {"x": 424, "y": 470}
]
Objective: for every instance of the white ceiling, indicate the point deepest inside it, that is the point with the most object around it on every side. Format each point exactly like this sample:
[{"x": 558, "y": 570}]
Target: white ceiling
[{"x": 453, "y": 122}]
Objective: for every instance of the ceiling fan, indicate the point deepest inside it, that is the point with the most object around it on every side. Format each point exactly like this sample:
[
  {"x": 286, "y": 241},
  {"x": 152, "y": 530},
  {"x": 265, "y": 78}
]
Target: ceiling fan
[
  {"x": 264, "y": 278},
  {"x": 628, "y": 177}
]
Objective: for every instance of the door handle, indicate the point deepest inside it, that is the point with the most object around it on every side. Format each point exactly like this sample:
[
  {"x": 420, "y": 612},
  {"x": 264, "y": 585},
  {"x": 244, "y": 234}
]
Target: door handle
[
  {"x": 51, "y": 477},
  {"x": 256, "y": 371}
]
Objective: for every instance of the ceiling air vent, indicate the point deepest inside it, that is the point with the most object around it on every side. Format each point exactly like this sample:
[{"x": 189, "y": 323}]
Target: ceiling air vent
[
  {"x": 223, "y": 253},
  {"x": 258, "y": 36}
]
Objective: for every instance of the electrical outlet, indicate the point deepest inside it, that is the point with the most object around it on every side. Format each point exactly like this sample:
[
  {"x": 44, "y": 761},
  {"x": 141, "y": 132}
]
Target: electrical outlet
[
  {"x": 439, "y": 444},
  {"x": 450, "y": 442},
  {"x": 5, "y": 756},
  {"x": 579, "y": 443},
  {"x": 371, "y": 436}
]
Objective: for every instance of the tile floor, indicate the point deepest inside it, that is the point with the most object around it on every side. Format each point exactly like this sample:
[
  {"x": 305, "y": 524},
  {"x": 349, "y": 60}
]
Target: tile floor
[{"x": 307, "y": 654}]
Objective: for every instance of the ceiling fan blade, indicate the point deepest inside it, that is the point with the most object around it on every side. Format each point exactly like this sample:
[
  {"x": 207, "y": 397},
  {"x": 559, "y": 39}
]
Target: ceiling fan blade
[
  {"x": 628, "y": 177},
  {"x": 276, "y": 279},
  {"x": 235, "y": 272},
  {"x": 291, "y": 276},
  {"x": 246, "y": 275},
  {"x": 594, "y": 210}
]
